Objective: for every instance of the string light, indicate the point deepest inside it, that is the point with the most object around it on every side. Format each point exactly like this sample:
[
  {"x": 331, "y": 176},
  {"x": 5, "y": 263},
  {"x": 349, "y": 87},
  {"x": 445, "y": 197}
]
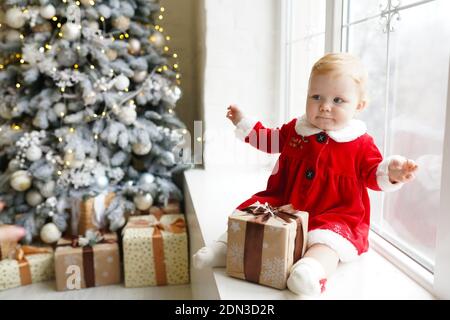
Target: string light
[
  {"x": 60, "y": 34},
  {"x": 63, "y": 89},
  {"x": 15, "y": 126},
  {"x": 48, "y": 47},
  {"x": 168, "y": 38},
  {"x": 72, "y": 130},
  {"x": 70, "y": 151},
  {"x": 59, "y": 173},
  {"x": 157, "y": 27},
  {"x": 161, "y": 29},
  {"x": 55, "y": 18},
  {"x": 59, "y": 25},
  {"x": 92, "y": 67},
  {"x": 102, "y": 19},
  {"x": 75, "y": 66},
  {"x": 178, "y": 76},
  {"x": 60, "y": 139},
  {"x": 2, "y": 66},
  {"x": 22, "y": 61},
  {"x": 160, "y": 17},
  {"x": 17, "y": 85},
  {"x": 22, "y": 36},
  {"x": 175, "y": 65},
  {"x": 165, "y": 68},
  {"x": 166, "y": 48},
  {"x": 199, "y": 139},
  {"x": 162, "y": 9},
  {"x": 96, "y": 136},
  {"x": 78, "y": 3},
  {"x": 92, "y": 2}
]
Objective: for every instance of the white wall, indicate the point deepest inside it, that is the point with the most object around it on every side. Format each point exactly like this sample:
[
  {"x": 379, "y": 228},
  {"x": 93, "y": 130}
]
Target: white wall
[
  {"x": 241, "y": 66},
  {"x": 229, "y": 53}
]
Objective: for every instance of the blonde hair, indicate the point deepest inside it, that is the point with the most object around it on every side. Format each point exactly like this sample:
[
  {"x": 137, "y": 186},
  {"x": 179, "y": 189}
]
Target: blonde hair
[{"x": 340, "y": 64}]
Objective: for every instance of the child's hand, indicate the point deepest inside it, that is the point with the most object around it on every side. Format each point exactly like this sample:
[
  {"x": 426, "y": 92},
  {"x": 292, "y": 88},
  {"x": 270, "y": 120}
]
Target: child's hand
[
  {"x": 402, "y": 170},
  {"x": 234, "y": 114},
  {"x": 9, "y": 233}
]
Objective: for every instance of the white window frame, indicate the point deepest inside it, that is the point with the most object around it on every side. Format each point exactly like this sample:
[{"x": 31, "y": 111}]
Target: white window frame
[{"x": 438, "y": 282}]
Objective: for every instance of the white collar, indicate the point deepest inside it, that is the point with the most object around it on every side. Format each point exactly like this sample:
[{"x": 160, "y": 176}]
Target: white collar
[{"x": 353, "y": 130}]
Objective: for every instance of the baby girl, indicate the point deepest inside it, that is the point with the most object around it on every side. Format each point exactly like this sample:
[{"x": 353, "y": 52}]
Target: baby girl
[{"x": 327, "y": 161}]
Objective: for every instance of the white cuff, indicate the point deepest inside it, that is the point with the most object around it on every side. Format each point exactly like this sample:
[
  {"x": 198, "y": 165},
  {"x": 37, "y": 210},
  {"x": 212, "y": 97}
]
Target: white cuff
[
  {"x": 344, "y": 248},
  {"x": 383, "y": 175},
  {"x": 244, "y": 127}
]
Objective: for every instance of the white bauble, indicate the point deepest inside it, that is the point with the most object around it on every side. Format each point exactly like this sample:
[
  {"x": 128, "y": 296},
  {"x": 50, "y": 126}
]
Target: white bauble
[
  {"x": 111, "y": 54},
  {"x": 33, "y": 198},
  {"x": 15, "y": 18},
  {"x": 157, "y": 38},
  {"x": 140, "y": 75},
  {"x": 71, "y": 31},
  {"x": 34, "y": 153},
  {"x": 121, "y": 82},
  {"x": 134, "y": 46},
  {"x": 14, "y": 165},
  {"x": 146, "y": 179},
  {"x": 12, "y": 36},
  {"x": 50, "y": 233},
  {"x": 102, "y": 182},
  {"x": 48, "y": 189},
  {"x": 127, "y": 115},
  {"x": 48, "y": 11},
  {"x": 141, "y": 149},
  {"x": 121, "y": 23},
  {"x": 60, "y": 109},
  {"x": 143, "y": 201},
  {"x": 20, "y": 180}
]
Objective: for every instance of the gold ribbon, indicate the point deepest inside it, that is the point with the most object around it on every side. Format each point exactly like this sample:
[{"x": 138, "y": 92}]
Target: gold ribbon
[
  {"x": 178, "y": 226},
  {"x": 24, "y": 267}
]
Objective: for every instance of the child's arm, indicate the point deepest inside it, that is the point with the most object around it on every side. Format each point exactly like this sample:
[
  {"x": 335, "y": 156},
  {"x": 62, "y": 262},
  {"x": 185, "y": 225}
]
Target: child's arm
[
  {"x": 387, "y": 174},
  {"x": 254, "y": 133}
]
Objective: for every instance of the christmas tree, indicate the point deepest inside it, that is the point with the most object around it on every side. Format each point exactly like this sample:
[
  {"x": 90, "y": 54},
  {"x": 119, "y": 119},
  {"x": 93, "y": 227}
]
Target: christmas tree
[{"x": 87, "y": 98}]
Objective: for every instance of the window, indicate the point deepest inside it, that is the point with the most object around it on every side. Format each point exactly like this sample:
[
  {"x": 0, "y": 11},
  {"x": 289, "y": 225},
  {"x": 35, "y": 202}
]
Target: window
[{"x": 404, "y": 46}]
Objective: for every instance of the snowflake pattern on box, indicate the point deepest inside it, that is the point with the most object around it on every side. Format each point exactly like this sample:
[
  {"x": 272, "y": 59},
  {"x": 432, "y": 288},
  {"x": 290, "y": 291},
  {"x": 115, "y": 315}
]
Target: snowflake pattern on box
[
  {"x": 235, "y": 226},
  {"x": 272, "y": 271},
  {"x": 236, "y": 253}
]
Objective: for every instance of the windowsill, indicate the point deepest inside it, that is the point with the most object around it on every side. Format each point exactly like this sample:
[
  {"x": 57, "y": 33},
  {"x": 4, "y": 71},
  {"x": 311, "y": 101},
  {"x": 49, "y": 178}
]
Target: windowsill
[{"x": 212, "y": 194}]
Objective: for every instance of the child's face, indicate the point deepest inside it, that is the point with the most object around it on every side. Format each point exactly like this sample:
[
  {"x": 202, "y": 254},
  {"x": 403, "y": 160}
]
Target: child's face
[{"x": 332, "y": 101}]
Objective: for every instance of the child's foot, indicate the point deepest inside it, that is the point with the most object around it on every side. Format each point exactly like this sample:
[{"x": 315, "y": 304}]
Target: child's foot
[
  {"x": 307, "y": 277},
  {"x": 210, "y": 256}
]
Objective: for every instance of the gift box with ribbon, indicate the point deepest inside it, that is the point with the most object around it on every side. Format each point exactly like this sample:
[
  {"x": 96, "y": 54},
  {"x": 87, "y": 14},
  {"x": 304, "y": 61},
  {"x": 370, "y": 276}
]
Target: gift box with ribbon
[
  {"x": 88, "y": 213},
  {"x": 264, "y": 242},
  {"x": 25, "y": 265},
  {"x": 84, "y": 262},
  {"x": 172, "y": 207},
  {"x": 155, "y": 250}
]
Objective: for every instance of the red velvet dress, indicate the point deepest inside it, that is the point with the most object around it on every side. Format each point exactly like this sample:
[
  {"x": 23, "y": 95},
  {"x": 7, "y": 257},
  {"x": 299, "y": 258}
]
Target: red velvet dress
[{"x": 326, "y": 178}]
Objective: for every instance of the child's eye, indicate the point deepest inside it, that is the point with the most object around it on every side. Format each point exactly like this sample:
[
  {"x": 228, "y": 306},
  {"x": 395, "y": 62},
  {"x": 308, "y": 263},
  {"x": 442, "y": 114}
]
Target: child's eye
[
  {"x": 338, "y": 100},
  {"x": 315, "y": 97}
]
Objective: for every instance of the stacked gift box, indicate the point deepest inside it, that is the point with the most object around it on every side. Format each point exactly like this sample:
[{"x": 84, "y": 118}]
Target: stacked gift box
[{"x": 155, "y": 250}]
